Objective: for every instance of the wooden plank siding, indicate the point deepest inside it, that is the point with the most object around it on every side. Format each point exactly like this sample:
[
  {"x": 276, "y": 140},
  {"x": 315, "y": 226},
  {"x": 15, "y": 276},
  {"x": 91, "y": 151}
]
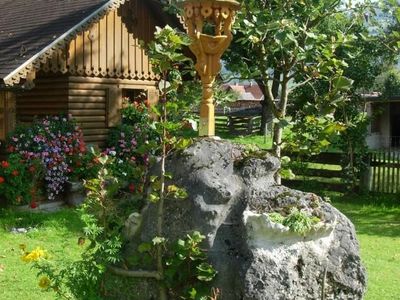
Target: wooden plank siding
[
  {"x": 110, "y": 47},
  {"x": 95, "y": 103}
]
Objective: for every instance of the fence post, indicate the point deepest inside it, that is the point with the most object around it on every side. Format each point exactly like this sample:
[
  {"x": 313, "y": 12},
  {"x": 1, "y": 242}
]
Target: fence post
[{"x": 365, "y": 176}]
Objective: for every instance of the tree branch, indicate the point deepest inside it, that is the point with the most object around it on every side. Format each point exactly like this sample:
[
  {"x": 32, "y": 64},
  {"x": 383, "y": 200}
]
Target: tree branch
[
  {"x": 300, "y": 84},
  {"x": 135, "y": 274}
]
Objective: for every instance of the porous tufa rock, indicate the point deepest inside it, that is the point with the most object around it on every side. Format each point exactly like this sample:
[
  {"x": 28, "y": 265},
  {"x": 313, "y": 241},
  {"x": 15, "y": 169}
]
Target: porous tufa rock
[
  {"x": 231, "y": 194},
  {"x": 262, "y": 232}
]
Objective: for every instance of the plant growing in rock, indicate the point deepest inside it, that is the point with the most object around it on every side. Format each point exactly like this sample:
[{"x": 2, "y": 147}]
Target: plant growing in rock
[{"x": 297, "y": 220}]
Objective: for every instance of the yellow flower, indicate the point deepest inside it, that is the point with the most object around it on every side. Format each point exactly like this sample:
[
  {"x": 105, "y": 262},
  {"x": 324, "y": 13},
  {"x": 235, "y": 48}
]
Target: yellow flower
[
  {"x": 34, "y": 255},
  {"x": 44, "y": 282}
]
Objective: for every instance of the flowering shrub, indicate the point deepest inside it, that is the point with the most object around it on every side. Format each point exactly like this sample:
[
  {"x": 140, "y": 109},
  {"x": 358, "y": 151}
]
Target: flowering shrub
[
  {"x": 132, "y": 144},
  {"x": 17, "y": 179},
  {"x": 57, "y": 142},
  {"x": 135, "y": 113}
]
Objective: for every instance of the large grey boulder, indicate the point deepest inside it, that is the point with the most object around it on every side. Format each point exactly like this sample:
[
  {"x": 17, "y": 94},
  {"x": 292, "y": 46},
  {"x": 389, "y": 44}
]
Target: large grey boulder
[{"x": 231, "y": 195}]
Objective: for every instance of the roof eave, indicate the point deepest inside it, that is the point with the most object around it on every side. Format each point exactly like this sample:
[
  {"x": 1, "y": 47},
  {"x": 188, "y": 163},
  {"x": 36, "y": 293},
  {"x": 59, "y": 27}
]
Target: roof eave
[{"x": 33, "y": 63}]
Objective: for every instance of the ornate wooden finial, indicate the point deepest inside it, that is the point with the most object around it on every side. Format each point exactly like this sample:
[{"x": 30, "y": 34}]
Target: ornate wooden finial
[{"x": 209, "y": 24}]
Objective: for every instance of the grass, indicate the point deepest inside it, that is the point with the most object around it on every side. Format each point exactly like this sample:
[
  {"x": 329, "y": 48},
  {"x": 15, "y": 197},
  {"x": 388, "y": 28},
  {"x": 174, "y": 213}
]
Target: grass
[
  {"x": 56, "y": 232},
  {"x": 376, "y": 219},
  {"x": 377, "y": 222}
]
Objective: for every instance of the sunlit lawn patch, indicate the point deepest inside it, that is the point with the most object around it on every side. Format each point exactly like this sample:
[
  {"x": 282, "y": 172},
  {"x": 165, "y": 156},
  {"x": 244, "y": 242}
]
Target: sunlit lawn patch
[{"x": 56, "y": 232}]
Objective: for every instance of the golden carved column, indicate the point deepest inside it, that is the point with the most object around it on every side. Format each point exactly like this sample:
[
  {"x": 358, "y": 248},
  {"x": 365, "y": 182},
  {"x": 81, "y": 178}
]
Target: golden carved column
[{"x": 209, "y": 24}]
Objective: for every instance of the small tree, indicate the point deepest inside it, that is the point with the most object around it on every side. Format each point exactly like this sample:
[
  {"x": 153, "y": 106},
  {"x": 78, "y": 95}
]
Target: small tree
[
  {"x": 165, "y": 54},
  {"x": 283, "y": 45}
]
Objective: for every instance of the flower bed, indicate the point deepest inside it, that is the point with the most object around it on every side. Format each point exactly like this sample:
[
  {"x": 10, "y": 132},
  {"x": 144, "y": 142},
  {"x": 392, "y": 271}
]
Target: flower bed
[{"x": 57, "y": 143}]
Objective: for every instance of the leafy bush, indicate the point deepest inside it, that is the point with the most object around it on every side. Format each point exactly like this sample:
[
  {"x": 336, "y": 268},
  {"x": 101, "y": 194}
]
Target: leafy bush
[
  {"x": 388, "y": 84},
  {"x": 103, "y": 214},
  {"x": 57, "y": 142},
  {"x": 187, "y": 270},
  {"x": 17, "y": 180}
]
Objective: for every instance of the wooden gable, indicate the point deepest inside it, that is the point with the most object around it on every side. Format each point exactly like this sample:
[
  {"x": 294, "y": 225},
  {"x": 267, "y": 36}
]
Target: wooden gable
[{"x": 110, "y": 48}]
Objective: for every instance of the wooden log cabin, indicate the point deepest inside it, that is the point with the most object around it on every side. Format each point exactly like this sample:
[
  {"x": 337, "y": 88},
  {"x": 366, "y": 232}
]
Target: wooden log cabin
[{"x": 78, "y": 57}]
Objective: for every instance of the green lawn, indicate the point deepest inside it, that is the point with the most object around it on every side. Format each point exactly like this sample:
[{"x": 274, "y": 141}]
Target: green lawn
[
  {"x": 56, "y": 232},
  {"x": 377, "y": 221}
]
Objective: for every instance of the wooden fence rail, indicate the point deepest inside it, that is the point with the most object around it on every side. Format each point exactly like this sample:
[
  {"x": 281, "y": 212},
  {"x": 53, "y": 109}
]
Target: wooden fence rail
[
  {"x": 384, "y": 172},
  {"x": 323, "y": 168}
]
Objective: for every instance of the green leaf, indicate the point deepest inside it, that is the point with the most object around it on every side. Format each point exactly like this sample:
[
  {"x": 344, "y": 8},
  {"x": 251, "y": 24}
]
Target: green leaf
[
  {"x": 342, "y": 83},
  {"x": 205, "y": 272},
  {"x": 154, "y": 197},
  {"x": 144, "y": 247},
  {"x": 158, "y": 240},
  {"x": 192, "y": 293}
]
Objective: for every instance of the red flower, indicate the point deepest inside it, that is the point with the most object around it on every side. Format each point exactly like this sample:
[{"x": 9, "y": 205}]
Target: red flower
[
  {"x": 5, "y": 164},
  {"x": 33, "y": 204},
  {"x": 10, "y": 149},
  {"x": 132, "y": 187},
  {"x": 15, "y": 173},
  {"x": 1, "y": 179}
]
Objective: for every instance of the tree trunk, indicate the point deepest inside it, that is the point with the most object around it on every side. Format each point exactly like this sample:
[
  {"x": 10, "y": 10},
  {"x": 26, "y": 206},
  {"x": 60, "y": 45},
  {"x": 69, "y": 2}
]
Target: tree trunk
[
  {"x": 265, "y": 115},
  {"x": 277, "y": 148},
  {"x": 266, "y": 110},
  {"x": 278, "y": 131}
]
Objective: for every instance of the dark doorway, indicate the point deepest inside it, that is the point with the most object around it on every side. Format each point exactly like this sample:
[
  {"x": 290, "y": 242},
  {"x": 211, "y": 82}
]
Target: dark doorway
[{"x": 395, "y": 124}]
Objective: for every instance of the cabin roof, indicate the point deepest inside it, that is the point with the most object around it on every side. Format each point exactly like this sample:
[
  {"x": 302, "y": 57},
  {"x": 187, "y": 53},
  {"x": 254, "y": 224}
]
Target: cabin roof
[
  {"x": 249, "y": 92},
  {"x": 30, "y": 30}
]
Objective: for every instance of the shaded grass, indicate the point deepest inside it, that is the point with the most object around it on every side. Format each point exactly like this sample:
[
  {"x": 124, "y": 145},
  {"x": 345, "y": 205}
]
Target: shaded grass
[{"x": 56, "y": 232}]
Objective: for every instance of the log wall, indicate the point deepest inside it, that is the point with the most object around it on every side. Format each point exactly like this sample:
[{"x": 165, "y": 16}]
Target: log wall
[
  {"x": 95, "y": 103},
  {"x": 7, "y": 113}
]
